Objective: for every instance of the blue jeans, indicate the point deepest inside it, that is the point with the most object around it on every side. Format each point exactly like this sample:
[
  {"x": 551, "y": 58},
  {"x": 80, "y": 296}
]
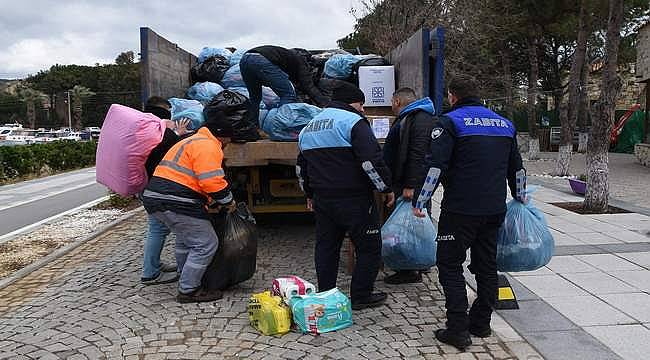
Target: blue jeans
[
  {"x": 153, "y": 246},
  {"x": 258, "y": 71}
]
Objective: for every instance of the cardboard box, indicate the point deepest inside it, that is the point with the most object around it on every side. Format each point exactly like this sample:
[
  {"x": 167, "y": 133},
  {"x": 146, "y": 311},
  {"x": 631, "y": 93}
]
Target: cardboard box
[{"x": 377, "y": 84}]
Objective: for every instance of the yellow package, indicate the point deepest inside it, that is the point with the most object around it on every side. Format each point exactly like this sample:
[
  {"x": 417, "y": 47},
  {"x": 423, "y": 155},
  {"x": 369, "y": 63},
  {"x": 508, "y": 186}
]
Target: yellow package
[{"x": 269, "y": 314}]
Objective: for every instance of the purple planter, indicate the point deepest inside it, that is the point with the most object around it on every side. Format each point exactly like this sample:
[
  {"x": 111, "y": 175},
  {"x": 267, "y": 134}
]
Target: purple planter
[{"x": 578, "y": 186}]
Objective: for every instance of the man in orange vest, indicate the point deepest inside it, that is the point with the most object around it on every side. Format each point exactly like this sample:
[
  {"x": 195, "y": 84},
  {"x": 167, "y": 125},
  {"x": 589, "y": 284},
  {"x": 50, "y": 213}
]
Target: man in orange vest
[{"x": 189, "y": 180}]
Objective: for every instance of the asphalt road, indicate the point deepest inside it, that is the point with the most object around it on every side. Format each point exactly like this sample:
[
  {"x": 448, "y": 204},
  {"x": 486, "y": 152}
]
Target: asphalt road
[{"x": 29, "y": 202}]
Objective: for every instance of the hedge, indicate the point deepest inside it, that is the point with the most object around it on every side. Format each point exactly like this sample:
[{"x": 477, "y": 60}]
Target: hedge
[{"x": 29, "y": 160}]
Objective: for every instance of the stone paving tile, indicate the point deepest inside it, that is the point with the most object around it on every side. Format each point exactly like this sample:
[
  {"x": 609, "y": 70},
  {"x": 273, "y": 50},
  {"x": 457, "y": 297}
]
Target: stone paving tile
[
  {"x": 632, "y": 342},
  {"x": 90, "y": 304}
]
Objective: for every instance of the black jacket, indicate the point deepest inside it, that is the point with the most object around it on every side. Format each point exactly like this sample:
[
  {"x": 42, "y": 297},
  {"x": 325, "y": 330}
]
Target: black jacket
[
  {"x": 406, "y": 147},
  {"x": 476, "y": 151},
  {"x": 158, "y": 153},
  {"x": 340, "y": 156},
  {"x": 295, "y": 66}
]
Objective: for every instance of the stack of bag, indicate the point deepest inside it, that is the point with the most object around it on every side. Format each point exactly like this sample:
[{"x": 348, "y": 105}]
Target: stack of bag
[{"x": 295, "y": 301}]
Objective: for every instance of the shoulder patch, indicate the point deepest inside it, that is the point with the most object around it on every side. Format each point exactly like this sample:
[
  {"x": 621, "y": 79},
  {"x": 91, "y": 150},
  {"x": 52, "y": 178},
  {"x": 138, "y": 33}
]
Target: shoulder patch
[{"x": 436, "y": 132}]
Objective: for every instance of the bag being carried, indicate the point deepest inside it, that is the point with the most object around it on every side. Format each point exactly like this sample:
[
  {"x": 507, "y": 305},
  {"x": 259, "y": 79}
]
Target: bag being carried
[
  {"x": 236, "y": 257},
  {"x": 234, "y": 107},
  {"x": 408, "y": 242},
  {"x": 524, "y": 242},
  {"x": 322, "y": 312},
  {"x": 125, "y": 142},
  {"x": 269, "y": 314}
]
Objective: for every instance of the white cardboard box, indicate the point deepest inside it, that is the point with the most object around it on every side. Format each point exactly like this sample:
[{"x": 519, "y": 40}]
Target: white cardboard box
[{"x": 377, "y": 84}]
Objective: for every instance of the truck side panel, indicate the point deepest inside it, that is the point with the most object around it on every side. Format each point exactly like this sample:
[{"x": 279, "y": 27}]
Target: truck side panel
[{"x": 165, "y": 66}]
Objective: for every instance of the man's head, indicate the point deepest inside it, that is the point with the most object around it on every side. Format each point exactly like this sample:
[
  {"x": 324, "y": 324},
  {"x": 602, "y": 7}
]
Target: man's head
[
  {"x": 159, "y": 107},
  {"x": 461, "y": 87},
  {"x": 350, "y": 94},
  {"x": 220, "y": 126},
  {"x": 401, "y": 98}
]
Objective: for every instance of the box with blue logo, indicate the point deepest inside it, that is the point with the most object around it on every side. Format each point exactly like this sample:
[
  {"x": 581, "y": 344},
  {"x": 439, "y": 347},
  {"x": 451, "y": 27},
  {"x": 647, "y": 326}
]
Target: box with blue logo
[{"x": 377, "y": 84}]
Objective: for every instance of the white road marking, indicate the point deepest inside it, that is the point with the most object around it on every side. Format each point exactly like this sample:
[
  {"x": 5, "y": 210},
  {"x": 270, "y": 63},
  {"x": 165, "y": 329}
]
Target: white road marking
[
  {"x": 6, "y": 237},
  {"x": 44, "y": 196}
]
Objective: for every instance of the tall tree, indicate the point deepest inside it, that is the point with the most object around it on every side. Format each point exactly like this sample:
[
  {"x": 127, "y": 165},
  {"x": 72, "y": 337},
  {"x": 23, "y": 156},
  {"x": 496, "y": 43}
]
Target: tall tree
[
  {"x": 78, "y": 94},
  {"x": 569, "y": 111},
  {"x": 533, "y": 78},
  {"x": 31, "y": 98},
  {"x": 597, "y": 196},
  {"x": 125, "y": 58}
]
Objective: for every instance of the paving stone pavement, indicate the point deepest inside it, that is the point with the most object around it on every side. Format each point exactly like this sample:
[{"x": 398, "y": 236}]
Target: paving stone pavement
[{"x": 89, "y": 304}]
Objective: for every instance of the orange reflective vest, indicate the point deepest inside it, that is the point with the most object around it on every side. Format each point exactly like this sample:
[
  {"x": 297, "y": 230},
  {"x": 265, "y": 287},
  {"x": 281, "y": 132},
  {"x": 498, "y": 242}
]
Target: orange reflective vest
[{"x": 195, "y": 163}]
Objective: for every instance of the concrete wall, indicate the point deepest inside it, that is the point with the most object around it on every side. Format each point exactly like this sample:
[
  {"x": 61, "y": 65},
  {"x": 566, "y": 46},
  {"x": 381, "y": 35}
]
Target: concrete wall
[
  {"x": 643, "y": 53},
  {"x": 642, "y": 152},
  {"x": 165, "y": 66}
]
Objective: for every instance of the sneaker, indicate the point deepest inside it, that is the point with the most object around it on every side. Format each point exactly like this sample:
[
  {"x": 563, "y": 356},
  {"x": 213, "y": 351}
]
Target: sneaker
[
  {"x": 374, "y": 300},
  {"x": 162, "y": 278},
  {"x": 165, "y": 267},
  {"x": 459, "y": 340},
  {"x": 199, "y": 295},
  {"x": 481, "y": 333},
  {"x": 404, "y": 277}
]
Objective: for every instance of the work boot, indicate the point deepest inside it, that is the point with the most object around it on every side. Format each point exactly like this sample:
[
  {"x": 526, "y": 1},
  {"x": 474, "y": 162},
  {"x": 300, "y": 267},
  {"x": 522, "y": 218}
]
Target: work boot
[
  {"x": 480, "y": 332},
  {"x": 404, "y": 277},
  {"x": 165, "y": 267},
  {"x": 374, "y": 300},
  {"x": 199, "y": 295},
  {"x": 458, "y": 340},
  {"x": 162, "y": 278}
]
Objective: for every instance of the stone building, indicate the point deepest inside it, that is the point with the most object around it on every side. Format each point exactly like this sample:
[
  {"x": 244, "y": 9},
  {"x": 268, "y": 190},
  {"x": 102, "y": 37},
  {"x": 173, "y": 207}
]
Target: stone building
[{"x": 642, "y": 151}]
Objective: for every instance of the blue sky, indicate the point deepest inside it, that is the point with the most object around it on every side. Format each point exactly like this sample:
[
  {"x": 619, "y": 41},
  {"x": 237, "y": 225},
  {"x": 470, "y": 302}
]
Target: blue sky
[{"x": 36, "y": 34}]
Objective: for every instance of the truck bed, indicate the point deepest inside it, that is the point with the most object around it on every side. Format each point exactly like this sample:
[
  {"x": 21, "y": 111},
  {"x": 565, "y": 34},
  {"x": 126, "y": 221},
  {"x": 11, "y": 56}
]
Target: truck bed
[{"x": 260, "y": 153}]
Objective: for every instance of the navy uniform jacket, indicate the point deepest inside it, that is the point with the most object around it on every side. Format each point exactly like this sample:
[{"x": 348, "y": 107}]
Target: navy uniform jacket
[
  {"x": 340, "y": 156},
  {"x": 473, "y": 151}
]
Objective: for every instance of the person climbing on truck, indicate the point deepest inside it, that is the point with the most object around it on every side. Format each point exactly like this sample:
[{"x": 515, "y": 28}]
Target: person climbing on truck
[
  {"x": 339, "y": 165},
  {"x": 280, "y": 69},
  {"x": 189, "y": 180}
]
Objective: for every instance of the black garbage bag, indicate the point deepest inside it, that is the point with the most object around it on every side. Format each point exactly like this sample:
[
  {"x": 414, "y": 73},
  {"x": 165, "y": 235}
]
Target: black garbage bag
[
  {"x": 233, "y": 106},
  {"x": 326, "y": 86},
  {"x": 212, "y": 69},
  {"x": 236, "y": 258}
]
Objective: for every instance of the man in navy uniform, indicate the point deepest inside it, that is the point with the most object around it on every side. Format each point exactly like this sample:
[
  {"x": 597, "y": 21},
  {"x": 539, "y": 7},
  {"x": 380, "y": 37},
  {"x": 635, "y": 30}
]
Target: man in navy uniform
[
  {"x": 339, "y": 166},
  {"x": 473, "y": 152}
]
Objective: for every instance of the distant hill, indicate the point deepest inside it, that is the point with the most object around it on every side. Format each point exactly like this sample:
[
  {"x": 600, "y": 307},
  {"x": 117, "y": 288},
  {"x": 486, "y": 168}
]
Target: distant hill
[{"x": 5, "y": 83}]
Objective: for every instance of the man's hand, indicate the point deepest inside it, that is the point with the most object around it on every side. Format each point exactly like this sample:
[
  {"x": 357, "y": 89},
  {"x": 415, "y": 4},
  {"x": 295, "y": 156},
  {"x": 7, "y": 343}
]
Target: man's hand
[
  {"x": 407, "y": 193},
  {"x": 419, "y": 212},
  {"x": 310, "y": 204},
  {"x": 182, "y": 127},
  {"x": 389, "y": 199}
]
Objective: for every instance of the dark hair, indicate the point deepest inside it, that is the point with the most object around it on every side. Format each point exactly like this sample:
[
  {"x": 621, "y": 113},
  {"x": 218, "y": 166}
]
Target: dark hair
[
  {"x": 463, "y": 86},
  {"x": 157, "y": 101},
  {"x": 405, "y": 93}
]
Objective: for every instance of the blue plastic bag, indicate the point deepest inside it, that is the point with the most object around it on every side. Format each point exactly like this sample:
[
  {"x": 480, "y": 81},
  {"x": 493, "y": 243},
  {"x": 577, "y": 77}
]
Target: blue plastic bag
[
  {"x": 285, "y": 123},
  {"x": 191, "y": 109},
  {"x": 236, "y": 56},
  {"x": 204, "y": 91},
  {"x": 408, "y": 242},
  {"x": 340, "y": 66},
  {"x": 207, "y": 52},
  {"x": 321, "y": 312},
  {"x": 232, "y": 78},
  {"x": 524, "y": 242}
]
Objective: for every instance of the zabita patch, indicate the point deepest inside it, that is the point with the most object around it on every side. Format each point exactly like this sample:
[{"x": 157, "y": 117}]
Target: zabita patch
[{"x": 435, "y": 133}]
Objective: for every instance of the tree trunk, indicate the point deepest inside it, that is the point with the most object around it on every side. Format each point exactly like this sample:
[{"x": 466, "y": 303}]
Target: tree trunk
[
  {"x": 569, "y": 113},
  {"x": 597, "y": 196},
  {"x": 507, "y": 84},
  {"x": 76, "y": 115},
  {"x": 31, "y": 114},
  {"x": 533, "y": 152},
  {"x": 583, "y": 109}
]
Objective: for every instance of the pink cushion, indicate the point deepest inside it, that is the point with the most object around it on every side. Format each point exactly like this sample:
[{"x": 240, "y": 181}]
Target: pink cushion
[{"x": 126, "y": 140}]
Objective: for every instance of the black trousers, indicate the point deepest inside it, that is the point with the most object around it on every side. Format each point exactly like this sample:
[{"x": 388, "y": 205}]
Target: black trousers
[
  {"x": 456, "y": 234},
  {"x": 359, "y": 218}
]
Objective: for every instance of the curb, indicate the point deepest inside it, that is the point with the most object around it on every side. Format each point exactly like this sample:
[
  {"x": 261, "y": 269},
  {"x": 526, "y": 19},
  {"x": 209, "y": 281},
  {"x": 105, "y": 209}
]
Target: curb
[{"x": 65, "y": 250}]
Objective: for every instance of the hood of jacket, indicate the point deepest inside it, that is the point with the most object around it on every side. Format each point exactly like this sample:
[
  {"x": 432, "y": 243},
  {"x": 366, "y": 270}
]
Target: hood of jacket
[{"x": 424, "y": 104}]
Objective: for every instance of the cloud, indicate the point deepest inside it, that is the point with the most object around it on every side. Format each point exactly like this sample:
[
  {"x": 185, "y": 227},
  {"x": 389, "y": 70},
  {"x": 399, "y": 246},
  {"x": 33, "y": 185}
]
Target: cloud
[{"x": 89, "y": 32}]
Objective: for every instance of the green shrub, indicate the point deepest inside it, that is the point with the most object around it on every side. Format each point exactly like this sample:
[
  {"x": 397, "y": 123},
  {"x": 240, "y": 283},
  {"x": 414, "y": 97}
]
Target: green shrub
[{"x": 28, "y": 160}]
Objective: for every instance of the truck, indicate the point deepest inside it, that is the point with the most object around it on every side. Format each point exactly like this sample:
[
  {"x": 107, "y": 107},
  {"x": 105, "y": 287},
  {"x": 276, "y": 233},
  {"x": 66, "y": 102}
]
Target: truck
[{"x": 262, "y": 173}]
